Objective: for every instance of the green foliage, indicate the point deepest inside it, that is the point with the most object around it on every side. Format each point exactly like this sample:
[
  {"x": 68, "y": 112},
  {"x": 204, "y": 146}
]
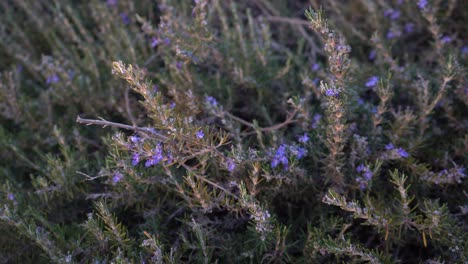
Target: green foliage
[{"x": 233, "y": 131}]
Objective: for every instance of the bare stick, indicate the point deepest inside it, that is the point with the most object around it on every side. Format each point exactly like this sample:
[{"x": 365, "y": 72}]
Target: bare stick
[{"x": 105, "y": 123}]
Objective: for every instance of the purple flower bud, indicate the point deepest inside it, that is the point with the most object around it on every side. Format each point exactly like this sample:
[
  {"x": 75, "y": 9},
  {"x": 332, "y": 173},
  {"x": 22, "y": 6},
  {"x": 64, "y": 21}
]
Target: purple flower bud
[
  {"x": 464, "y": 50},
  {"x": 402, "y": 153},
  {"x": 316, "y": 120},
  {"x": 167, "y": 41},
  {"x": 446, "y": 39},
  {"x": 315, "y": 67},
  {"x": 172, "y": 105},
  {"x": 111, "y": 2},
  {"x": 422, "y": 4},
  {"x": 361, "y": 168},
  {"x": 125, "y": 18},
  {"x": 368, "y": 175},
  {"x": 389, "y": 146},
  {"x": 211, "y": 100},
  {"x": 200, "y": 134},
  {"x": 372, "y": 81},
  {"x": 409, "y": 27},
  {"x": 304, "y": 138},
  {"x": 391, "y": 34},
  {"x": 135, "y": 139},
  {"x": 117, "y": 177},
  {"x": 154, "y": 42},
  {"x": 231, "y": 165},
  {"x": 11, "y": 196},
  {"x": 135, "y": 159},
  {"x": 179, "y": 65},
  {"x": 52, "y": 79},
  {"x": 372, "y": 55}
]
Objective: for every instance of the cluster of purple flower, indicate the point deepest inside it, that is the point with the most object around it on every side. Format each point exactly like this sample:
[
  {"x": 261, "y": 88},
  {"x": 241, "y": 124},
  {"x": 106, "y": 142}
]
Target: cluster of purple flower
[
  {"x": 366, "y": 173},
  {"x": 372, "y": 81},
  {"x": 283, "y": 152},
  {"x": 400, "y": 152}
]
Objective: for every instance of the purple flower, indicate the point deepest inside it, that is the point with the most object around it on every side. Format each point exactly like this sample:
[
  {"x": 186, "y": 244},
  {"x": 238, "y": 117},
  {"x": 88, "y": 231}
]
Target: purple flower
[
  {"x": 391, "y": 34},
  {"x": 154, "y": 42},
  {"x": 368, "y": 174},
  {"x": 125, "y": 18},
  {"x": 422, "y": 4},
  {"x": 446, "y": 39},
  {"x": 394, "y": 14},
  {"x": 464, "y": 50},
  {"x": 156, "y": 157},
  {"x": 300, "y": 152},
  {"x": 372, "y": 81},
  {"x": 372, "y": 55},
  {"x": 111, "y": 2},
  {"x": 117, "y": 177},
  {"x": 135, "y": 159},
  {"x": 389, "y": 146},
  {"x": 332, "y": 92},
  {"x": 316, "y": 120},
  {"x": 179, "y": 65},
  {"x": 167, "y": 41},
  {"x": 402, "y": 153},
  {"x": 135, "y": 139},
  {"x": 360, "y": 101},
  {"x": 315, "y": 67},
  {"x": 211, "y": 101},
  {"x": 155, "y": 88},
  {"x": 304, "y": 138},
  {"x": 172, "y": 105},
  {"x": 52, "y": 79},
  {"x": 409, "y": 27},
  {"x": 280, "y": 157},
  {"x": 231, "y": 165},
  {"x": 361, "y": 168},
  {"x": 200, "y": 134},
  {"x": 11, "y": 196}
]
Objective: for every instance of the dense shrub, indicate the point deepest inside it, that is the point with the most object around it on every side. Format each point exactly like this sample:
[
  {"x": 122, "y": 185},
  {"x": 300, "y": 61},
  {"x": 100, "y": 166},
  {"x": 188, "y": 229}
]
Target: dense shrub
[{"x": 233, "y": 131}]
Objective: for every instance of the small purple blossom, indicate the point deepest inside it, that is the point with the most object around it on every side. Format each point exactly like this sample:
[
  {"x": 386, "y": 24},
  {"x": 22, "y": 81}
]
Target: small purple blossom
[
  {"x": 422, "y": 4},
  {"x": 167, "y": 41},
  {"x": 316, "y": 120},
  {"x": 299, "y": 152},
  {"x": 391, "y": 34},
  {"x": 111, "y": 2},
  {"x": 304, "y": 138},
  {"x": 409, "y": 27},
  {"x": 125, "y": 18},
  {"x": 361, "y": 168},
  {"x": 11, "y": 196},
  {"x": 135, "y": 139},
  {"x": 154, "y": 42},
  {"x": 393, "y": 14},
  {"x": 172, "y": 105},
  {"x": 332, "y": 92},
  {"x": 231, "y": 165},
  {"x": 372, "y": 81},
  {"x": 464, "y": 50},
  {"x": 315, "y": 67},
  {"x": 200, "y": 134},
  {"x": 117, "y": 177},
  {"x": 389, "y": 146},
  {"x": 135, "y": 159},
  {"x": 446, "y": 39},
  {"x": 179, "y": 65},
  {"x": 360, "y": 101},
  {"x": 402, "y": 153},
  {"x": 211, "y": 101},
  {"x": 52, "y": 79},
  {"x": 372, "y": 55}
]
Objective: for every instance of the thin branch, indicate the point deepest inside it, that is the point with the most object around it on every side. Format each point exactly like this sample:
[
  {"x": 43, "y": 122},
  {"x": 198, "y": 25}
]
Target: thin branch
[{"x": 105, "y": 123}]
